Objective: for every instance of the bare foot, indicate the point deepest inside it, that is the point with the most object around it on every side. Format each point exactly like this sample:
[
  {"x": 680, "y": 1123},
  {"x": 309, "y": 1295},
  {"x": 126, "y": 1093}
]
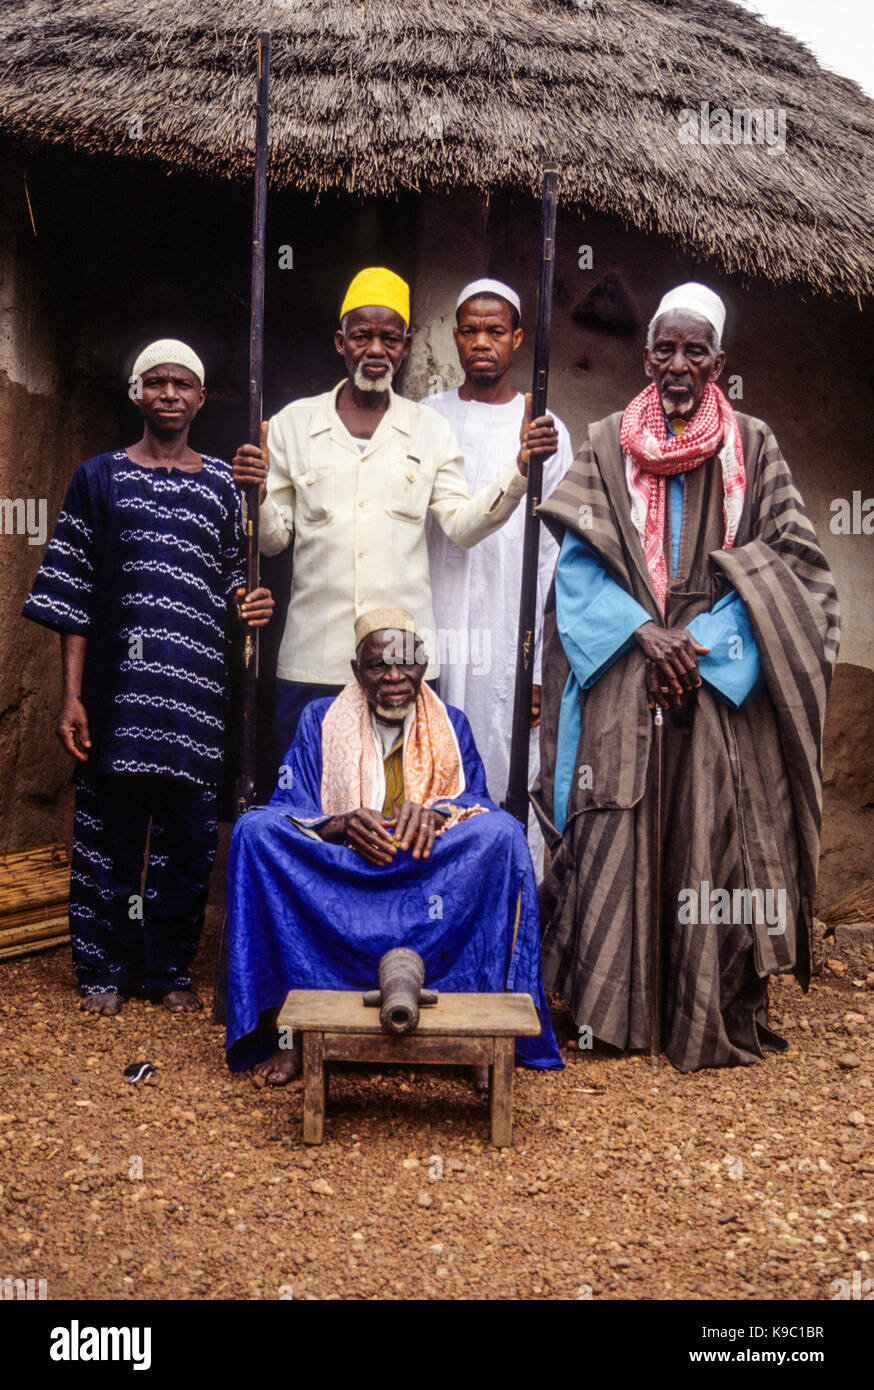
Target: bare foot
[
  {"x": 107, "y": 1004},
  {"x": 279, "y": 1069},
  {"x": 480, "y": 1077},
  {"x": 182, "y": 1001}
]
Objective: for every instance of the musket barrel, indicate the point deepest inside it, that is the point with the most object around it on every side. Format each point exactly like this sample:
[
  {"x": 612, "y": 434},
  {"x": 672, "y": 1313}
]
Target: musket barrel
[
  {"x": 245, "y": 789},
  {"x": 516, "y": 800}
]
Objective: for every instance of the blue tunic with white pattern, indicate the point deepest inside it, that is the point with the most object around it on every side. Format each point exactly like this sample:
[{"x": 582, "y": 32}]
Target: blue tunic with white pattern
[{"x": 141, "y": 564}]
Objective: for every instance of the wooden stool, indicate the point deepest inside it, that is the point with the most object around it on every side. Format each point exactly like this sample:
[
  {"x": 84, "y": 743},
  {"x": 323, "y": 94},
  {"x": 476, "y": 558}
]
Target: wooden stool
[{"x": 460, "y": 1029}]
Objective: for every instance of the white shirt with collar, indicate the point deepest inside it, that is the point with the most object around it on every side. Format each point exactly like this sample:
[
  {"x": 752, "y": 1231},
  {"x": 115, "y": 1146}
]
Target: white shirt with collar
[{"x": 357, "y": 519}]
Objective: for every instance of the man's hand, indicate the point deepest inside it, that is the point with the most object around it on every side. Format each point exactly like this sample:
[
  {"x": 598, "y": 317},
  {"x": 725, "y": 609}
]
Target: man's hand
[
  {"x": 538, "y": 436},
  {"x": 671, "y": 670},
  {"x": 250, "y": 464},
  {"x": 256, "y": 608},
  {"x": 72, "y": 728},
  {"x": 536, "y": 698},
  {"x": 416, "y": 826},
  {"x": 364, "y": 831}
]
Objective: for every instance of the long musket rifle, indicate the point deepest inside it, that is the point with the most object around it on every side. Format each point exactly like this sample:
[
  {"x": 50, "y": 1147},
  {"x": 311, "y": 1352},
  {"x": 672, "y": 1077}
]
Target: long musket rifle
[
  {"x": 516, "y": 800},
  {"x": 244, "y": 792}
]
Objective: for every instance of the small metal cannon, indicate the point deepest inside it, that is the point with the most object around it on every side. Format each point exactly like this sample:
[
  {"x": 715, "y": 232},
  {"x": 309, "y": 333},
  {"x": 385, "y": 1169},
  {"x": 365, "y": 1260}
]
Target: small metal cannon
[{"x": 400, "y": 995}]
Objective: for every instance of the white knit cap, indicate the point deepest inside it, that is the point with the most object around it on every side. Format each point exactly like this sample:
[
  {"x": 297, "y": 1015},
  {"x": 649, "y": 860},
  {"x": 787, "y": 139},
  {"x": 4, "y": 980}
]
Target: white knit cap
[
  {"x": 695, "y": 299},
  {"x": 168, "y": 350},
  {"x": 490, "y": 287}
]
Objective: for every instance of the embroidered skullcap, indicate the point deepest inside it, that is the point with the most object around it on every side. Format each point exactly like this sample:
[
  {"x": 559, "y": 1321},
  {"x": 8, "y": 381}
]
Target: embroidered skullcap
[
  {"x": 380, "y": 619},
  {"x": 168, "y": 350}
]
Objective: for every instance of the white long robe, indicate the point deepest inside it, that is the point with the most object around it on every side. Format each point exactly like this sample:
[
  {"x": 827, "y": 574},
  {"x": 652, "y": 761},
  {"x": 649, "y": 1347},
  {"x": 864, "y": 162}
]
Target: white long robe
[{"x": 476, "y": 592}]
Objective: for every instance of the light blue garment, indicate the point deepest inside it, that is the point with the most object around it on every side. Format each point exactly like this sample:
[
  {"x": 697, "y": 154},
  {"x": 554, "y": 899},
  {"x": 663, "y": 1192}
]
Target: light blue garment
[
  {"x": 732, "y": 667},
  {"x": 567, "y": 743},
  {"x": 675, "y": 502},
  {"x": 675, "y": 498},
  {"x": 596, "y": 620}
]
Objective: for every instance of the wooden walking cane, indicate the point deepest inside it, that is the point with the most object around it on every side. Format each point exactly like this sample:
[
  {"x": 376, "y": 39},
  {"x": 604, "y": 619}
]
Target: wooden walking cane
[
  {"x": 516, "y": 800},
  {"x": 655, "y": 1014},
  {"x": 244, "y": 792}
]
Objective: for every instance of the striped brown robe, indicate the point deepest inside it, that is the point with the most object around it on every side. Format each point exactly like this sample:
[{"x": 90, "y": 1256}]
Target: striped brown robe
[{"x": 742, "y": 788}]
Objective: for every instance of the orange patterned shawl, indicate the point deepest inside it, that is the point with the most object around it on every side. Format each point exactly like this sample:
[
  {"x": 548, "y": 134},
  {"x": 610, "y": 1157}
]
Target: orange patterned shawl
[{"x": 352, "y": 765}]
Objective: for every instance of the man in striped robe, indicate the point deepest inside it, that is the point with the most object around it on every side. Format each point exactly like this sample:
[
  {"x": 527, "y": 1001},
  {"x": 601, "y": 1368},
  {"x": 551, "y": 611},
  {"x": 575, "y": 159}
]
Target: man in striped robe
[{"x": 689, "y": 577}]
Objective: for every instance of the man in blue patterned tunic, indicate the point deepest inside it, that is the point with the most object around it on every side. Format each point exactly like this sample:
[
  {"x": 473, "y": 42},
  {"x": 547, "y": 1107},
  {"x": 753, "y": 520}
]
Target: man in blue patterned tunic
[{"x": 142, "y": 579}]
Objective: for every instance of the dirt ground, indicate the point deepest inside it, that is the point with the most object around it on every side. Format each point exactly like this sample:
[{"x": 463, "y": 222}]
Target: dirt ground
[{"x": 623, "y": 1182}]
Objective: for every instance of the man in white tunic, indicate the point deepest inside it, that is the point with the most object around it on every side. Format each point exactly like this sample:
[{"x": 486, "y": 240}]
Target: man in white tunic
[{"x": 476, "y": 591}]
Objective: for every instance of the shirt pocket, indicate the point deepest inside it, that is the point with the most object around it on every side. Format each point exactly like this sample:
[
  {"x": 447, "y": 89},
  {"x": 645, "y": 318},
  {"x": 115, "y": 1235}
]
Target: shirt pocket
[
  {"x": 314, "y": 496},
  {"x": 408, "y": 490}
]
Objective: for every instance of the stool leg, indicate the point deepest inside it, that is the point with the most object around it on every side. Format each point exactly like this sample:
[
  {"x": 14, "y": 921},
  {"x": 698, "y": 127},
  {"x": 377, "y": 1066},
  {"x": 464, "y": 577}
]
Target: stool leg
[
  {"x": 314, "y": 1088},
  {"x": 501, "y": 1099}
]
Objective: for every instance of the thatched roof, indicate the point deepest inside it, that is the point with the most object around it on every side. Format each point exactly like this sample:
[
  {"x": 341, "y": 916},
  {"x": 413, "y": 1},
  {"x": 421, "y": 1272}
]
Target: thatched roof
[{"x": 372, "y": 96}]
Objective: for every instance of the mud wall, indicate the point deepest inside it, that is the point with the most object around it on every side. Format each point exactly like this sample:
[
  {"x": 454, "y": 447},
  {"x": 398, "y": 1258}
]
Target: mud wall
[
  {"x": 121, "y": 255},
  {"x": 799, "y": 362}
]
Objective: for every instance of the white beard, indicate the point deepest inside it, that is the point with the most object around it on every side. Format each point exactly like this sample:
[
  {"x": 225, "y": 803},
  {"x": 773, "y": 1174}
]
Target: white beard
[
  {"x": 397, "y": 715},
  {"x": 366, "y": 384}
]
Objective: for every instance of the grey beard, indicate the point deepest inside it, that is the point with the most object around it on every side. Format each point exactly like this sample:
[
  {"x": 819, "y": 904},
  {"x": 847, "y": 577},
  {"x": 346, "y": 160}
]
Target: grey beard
[
  {"x": 396, "y": 715},
  {"x": 365, "y": 384}
]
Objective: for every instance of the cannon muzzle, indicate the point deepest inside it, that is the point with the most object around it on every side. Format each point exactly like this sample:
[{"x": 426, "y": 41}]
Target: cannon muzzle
[{"x": 400, "y": 994}]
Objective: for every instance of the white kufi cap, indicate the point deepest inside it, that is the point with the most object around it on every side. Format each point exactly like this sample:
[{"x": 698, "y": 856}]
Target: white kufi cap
[
  {"x": 496, "y": 287},
  {"x": 695, "y": 299}
]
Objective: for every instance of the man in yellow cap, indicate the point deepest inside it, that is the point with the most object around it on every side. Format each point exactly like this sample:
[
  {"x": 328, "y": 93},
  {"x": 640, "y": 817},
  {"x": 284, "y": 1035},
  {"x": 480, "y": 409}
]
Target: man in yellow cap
[{"x": 352, "y": 476}]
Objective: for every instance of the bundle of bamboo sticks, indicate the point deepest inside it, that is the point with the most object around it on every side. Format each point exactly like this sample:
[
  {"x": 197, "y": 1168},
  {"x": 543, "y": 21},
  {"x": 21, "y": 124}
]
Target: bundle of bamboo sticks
[{"x": 34, "y": 896}]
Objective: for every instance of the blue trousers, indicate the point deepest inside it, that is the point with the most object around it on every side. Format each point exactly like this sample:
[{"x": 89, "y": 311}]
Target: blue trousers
[{"x": 128, "y": 939}]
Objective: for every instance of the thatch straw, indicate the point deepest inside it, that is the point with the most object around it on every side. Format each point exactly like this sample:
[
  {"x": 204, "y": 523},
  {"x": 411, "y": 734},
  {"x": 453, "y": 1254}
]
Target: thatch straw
[
  {"x": 857, "y": 906},
  {"x": 378, "y": 96}
]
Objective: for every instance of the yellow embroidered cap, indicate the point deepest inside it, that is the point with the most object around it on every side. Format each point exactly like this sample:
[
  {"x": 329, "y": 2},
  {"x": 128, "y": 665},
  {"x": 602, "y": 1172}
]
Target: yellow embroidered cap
[
  {"x": 377, "y": 287},
  {"x": 379, "y": 619}
]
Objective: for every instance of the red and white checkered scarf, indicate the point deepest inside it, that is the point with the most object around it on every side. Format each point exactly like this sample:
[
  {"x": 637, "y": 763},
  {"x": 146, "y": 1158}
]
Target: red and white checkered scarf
[{"x": 650, "y": 459}]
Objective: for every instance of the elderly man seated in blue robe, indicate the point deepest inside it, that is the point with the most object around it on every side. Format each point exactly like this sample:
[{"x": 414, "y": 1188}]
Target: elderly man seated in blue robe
[{"x": 380, "y": 833}]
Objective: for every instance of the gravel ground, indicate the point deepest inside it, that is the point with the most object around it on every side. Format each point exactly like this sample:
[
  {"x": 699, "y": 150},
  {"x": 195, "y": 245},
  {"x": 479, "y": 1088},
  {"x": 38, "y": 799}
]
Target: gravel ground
[{"x": 623, "y": 1182}]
